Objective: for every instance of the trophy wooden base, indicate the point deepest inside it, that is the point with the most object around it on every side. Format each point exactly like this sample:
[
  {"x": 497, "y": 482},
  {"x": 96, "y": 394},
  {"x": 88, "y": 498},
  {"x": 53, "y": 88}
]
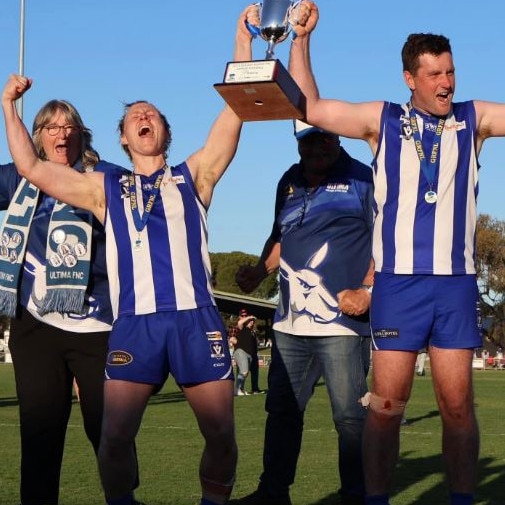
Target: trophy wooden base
[{"x": 261, "y": 90}]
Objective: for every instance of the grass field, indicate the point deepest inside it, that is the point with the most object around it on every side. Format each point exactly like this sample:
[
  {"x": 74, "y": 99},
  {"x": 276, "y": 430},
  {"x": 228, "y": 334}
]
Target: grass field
[{"x": 169, "y": 447}]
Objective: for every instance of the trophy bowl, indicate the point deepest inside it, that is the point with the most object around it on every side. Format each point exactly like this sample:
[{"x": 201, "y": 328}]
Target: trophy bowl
[{"x": 274, "y": 22}]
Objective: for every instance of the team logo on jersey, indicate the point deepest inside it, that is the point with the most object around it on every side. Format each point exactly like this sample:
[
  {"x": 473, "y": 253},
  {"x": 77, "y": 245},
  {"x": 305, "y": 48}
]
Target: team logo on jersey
[
  {"x": 177, "y": 179},
  {"x": 386, "y": 333},
  {"x": 430, "y": 127},
  {"x": 214, "y": 335},
  {"x": 217, "y": 350},
  {"x": 119, "y": 358},
  {"x": 124, "y": 187},
  {"x": 458, "y": 125},
  {"x": 337, "y": 187},
  {"x": 310, "y": 299},
  {"x": 289, "y": 191},
  {"x": 406, "y": 128}
]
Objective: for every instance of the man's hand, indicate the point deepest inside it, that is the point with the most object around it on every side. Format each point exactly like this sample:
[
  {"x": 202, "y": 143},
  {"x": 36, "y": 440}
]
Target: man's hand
[
  {"x": 250, "y": 15},
  {"x": 15, "y": 88},
  {"x": 304, "y": 18},
  {"x": 354, "y": 302},
  {"x": 248, "y": 277}
]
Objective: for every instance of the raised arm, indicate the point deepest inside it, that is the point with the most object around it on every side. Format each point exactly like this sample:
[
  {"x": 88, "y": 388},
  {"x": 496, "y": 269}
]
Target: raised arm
[
  {"x": 85, "y": 191},
  {"x": 353, "y": 120},
  {"x": 209, "y": 163}
]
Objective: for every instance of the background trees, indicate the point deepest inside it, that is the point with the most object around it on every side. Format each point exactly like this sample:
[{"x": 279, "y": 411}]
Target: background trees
[
  {"x": 225, "y": 266},
  {"x": 491, "y": 275}
]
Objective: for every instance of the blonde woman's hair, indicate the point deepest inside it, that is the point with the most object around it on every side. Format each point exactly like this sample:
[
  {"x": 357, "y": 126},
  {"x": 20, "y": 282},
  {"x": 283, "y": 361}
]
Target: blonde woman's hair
[{"x": 88, "y": 156}]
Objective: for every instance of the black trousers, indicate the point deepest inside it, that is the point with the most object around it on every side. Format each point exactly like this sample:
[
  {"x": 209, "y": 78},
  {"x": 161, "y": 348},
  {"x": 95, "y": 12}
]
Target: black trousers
[{"x": 46, "y": 360}]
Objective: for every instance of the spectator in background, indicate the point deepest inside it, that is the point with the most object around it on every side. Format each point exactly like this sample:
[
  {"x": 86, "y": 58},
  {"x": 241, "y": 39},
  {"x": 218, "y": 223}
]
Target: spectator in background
[
  {"x": 421, "y": 361},
  {"x": 245, "y": 353}
]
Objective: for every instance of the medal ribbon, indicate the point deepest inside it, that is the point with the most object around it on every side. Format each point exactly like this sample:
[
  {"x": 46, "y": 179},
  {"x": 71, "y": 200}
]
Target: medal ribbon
[
  {"x": 428, "y": 167},
  {"x": 141, "y": 221}
]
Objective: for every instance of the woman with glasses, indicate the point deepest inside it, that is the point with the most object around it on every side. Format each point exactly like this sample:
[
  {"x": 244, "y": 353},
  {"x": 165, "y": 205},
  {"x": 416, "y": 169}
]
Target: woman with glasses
[{"x": 53, "y": 285}]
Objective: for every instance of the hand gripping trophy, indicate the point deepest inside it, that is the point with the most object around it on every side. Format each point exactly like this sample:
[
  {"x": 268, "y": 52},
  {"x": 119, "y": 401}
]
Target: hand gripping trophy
[{"x": 261, "y": 90}]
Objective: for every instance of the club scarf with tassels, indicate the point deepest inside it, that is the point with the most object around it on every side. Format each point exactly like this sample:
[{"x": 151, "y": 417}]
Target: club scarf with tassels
[{"x": 68, "y": 253}]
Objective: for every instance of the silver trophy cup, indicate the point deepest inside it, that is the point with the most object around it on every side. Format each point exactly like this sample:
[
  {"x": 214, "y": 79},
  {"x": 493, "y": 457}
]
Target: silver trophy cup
[
  {"x": 274, "y": 22},
  {"x": 262, "y": 90}
]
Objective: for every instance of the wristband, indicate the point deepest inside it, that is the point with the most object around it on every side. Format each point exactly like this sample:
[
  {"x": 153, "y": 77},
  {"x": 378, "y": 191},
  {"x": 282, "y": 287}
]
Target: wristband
[{"x": 367, "y": 287}]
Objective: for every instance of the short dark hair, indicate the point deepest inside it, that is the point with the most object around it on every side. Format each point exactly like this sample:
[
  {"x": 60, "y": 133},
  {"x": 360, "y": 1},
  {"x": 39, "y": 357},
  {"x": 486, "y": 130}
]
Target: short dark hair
[{"x": 418, "y": 44}]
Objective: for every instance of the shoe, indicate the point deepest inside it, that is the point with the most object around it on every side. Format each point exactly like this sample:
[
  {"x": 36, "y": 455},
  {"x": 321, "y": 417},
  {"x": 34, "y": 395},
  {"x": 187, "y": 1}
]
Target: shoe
[
  {"x": 261, "y": 498},
  {"x": 404, "y": 422},
  {"x": 258, "y": 392},
  {"x": 241, "y": 393}
]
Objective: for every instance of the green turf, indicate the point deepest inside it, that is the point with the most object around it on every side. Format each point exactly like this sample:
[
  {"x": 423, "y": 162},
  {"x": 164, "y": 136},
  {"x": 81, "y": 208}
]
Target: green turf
[{"x": 169, "y": 447}]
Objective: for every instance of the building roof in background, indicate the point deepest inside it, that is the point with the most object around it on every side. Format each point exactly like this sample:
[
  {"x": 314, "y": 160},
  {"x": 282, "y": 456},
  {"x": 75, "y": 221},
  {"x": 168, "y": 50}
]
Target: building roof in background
[{"x": 231, "y": 303}]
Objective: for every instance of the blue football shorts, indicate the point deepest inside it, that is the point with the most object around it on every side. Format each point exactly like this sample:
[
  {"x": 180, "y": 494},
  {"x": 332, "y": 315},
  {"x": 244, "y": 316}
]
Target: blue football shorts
[
  {"x": 409, "y": 312},
  {"x": 189, "y": 344}
]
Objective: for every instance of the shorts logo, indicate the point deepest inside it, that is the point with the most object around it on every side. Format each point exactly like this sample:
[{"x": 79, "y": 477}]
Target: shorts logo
[
  {"x": 386, "y": 333},
  {"x": 214, "y": 335},
  {"x": 119, "y": 358},
  {"x": 216, "y": 350}
]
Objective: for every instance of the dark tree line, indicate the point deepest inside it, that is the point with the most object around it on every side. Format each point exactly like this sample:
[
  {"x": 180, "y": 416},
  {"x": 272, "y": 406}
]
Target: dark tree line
[{"x": 225, "y": 266}]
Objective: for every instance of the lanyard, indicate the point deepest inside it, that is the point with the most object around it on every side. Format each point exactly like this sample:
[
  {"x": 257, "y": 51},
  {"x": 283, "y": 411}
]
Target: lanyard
[
  {"x": 141, "y": 221},
  {"x": 428, "y": 167}
]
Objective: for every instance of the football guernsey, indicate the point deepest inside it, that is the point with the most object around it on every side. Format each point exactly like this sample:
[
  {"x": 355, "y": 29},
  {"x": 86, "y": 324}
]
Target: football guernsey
[
  {"x": 425, "y": 223},
  {"x": 164, "y": 265}
]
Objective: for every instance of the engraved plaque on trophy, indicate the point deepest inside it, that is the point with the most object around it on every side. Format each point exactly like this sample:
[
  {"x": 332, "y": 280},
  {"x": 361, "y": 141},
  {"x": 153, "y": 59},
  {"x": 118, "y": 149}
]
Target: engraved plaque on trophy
[{"x": 262, "y": 90}]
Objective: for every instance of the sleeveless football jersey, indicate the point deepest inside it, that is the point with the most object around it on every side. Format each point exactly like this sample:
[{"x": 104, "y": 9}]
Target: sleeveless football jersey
[
  {"x": 166, "y": 266},
  {"x": 412, "y": 236}
]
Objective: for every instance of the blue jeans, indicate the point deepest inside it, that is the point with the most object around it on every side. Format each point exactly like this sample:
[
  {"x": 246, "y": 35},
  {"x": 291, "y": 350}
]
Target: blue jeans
[
  {"x": 296, "y": 366},
  {"x": 243, "y": 362}
]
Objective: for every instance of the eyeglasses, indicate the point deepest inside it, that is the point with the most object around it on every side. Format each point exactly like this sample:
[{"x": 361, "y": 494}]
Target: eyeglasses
[{"x": 54, "y": 129}]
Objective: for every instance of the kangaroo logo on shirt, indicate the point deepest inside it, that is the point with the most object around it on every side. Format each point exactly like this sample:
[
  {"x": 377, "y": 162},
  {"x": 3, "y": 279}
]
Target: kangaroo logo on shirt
[{"x": 309, "y": 298}]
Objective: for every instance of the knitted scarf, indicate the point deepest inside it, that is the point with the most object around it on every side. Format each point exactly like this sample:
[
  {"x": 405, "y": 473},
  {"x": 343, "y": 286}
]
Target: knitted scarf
[{"x": 68, "y": 253}]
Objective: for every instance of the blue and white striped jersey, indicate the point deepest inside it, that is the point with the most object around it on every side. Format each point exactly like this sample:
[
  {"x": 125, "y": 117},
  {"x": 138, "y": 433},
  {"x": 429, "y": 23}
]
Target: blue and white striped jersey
[
  {"x": 412, "y": 236},
  {"x": 171, "y": 269}
]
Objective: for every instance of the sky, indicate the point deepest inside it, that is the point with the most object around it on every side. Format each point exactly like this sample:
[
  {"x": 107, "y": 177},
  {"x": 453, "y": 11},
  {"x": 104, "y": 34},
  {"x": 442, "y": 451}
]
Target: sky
[{"x": 100, "y": 54}]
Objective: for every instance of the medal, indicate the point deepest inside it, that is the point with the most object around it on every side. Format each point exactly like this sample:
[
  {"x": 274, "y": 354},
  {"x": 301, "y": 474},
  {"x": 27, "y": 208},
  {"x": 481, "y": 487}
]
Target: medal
[
  {"x": 429, "y": 166},
  {"x": 137, "y": 246},
  {"x": 140, "y": 221},
  {"x": 430, "y": 197}
]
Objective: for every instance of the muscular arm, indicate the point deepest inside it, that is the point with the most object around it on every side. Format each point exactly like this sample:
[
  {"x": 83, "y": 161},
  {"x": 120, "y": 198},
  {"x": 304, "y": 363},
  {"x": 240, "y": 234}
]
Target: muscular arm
[
  {"x": 353, "y": 120},
  {"x": 209, "y": 163},
  {"x": 85, "y": 191}
]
